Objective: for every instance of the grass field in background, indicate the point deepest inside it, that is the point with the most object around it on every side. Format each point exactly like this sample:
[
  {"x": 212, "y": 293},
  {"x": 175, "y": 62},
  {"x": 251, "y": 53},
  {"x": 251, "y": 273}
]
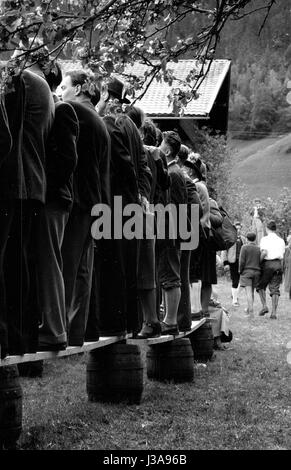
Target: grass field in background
[
  {"x": 264, "y": 165},
  {"x": 241, "y": 400}
]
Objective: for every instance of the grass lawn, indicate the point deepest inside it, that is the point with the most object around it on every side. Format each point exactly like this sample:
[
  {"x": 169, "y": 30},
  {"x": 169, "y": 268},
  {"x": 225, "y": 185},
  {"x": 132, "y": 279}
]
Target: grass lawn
[
  {"x": 263, "y": 165},
  {"x": 241, "y": 400}
]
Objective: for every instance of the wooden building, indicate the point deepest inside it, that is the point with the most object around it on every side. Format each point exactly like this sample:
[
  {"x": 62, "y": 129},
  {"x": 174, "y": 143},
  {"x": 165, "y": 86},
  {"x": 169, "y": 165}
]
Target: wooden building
[{"x": 210, "y": 109}]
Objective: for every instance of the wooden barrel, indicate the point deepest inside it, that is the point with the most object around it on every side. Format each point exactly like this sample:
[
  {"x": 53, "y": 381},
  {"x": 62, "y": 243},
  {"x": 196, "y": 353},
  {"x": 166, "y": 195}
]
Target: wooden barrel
[
  {"x": 202, "y": 342},
  {"x": 30, "y": 369},
  {"x": 115, "y": 374},
  {"x": 171, "y": 361},
  {"x": 10, "y": 407}
]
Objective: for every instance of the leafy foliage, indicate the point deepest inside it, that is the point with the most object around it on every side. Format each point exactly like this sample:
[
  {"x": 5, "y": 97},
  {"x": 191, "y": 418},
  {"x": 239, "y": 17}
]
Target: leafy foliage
[
  {"x": 107, "y": 34},
  {"x": 261, "y": 58},
  {"x": 260, "y": 72}
]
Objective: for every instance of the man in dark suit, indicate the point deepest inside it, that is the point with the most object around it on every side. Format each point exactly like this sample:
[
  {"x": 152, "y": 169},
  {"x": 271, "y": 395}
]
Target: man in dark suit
[
  {"x": 91, "y": 186},
  {"x": 30, "y": 113},
  {"x": 61, "y": 161}
]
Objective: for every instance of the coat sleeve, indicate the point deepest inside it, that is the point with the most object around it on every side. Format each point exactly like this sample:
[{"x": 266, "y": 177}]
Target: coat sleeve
[
  {"x": 144, "y": 173},
  {"x": 163, "y": 177},
  {"x": 5, "y": 136},
  {"x": 121, "y": 163},
  {"x": 192, "y": 195},
  {"x": 104, "y": 169},
  {"x": 242, "y": 260},
  {"x": 66, "y": 127}
]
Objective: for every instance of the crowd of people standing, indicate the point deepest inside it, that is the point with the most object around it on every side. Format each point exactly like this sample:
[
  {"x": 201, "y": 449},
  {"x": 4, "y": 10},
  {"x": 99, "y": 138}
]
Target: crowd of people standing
[{"x": 59, "y": 157}]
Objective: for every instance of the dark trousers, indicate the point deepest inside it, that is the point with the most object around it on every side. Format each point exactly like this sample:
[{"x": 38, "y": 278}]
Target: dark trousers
[
  {"x": 271, "y": 275},
  {"x": 78, "y": 257},
  {"x": 51, "y": 289},
  {"x": 118, "y": 287},
  {"x": 18, "y": 307},
  {"x": 93, "y": 323},
  {"x": 184, "y": 309},
  {"x": 6, "y": 217},
  {"x": 234, "y": 274}
]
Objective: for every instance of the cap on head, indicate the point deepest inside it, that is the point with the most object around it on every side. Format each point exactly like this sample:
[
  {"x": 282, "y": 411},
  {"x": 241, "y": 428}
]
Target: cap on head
[
  {"x": 117, "y": 89},
  {"x": 191, "y": 164}
]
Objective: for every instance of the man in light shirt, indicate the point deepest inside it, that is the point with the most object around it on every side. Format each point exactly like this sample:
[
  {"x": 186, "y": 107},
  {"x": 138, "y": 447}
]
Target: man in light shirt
[{"x": 272, "y": 253}]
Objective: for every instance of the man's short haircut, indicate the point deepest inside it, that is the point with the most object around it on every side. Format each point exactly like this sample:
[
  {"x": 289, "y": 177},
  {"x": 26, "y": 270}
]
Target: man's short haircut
[
  {"x": 173, "y": 140},
  {"x": 271, "y": 225},
  {"x": 251, "y": 236},
  {"x": 54, "y": 77},
  {"x": 89, "y": 88}
]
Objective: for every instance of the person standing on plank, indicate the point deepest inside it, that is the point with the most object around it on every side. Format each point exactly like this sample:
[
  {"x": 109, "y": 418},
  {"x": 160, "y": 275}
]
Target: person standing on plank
[
  {"x": 30, "y": 114},
  {"x": 91, "y": 185},
  {"x": 61, "y": 161},
  {"x": 131, "y": 184}
]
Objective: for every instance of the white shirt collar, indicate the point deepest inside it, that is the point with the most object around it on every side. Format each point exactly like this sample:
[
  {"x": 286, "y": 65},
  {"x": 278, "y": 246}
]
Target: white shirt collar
[{"x": 172, "y": 162}]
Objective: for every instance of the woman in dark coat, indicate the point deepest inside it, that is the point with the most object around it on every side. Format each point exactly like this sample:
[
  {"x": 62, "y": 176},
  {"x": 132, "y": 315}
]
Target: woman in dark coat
[{"x": 131, "y": 180}]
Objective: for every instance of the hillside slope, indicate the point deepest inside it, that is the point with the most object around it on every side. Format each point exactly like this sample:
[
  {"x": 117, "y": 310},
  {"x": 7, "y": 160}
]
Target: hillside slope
[{"x": 263, "y": 166}]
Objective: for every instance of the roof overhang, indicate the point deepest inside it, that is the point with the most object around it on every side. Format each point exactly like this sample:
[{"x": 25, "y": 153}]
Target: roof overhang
[{"x": 155, "y": 102}]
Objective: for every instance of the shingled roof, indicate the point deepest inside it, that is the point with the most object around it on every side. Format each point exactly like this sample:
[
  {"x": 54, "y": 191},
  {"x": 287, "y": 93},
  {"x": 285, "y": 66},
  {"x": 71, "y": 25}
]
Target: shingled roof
[{"x": 155, "y": 102}]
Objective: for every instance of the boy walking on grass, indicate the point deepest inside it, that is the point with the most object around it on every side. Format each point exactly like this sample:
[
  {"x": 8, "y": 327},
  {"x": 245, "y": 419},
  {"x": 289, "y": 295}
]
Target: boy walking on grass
[{"x": 250, "y": 269}]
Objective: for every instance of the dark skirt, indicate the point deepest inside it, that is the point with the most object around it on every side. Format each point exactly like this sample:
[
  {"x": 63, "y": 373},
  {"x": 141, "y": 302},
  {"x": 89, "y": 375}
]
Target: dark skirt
[
  {"x": 118, "y": 287},
  {"x": 203, "y": 264}
]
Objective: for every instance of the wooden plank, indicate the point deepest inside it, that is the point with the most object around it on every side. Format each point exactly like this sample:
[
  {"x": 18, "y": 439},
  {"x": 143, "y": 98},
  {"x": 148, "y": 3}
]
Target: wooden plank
[
  {"x": 90, "y": 346},
  {"x": 69, "y": 351},
  {"x": 165, "y": 338}
]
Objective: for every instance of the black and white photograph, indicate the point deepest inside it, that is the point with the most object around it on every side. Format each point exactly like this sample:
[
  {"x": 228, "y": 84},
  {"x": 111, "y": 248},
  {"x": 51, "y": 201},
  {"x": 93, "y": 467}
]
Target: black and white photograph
[{"x": 145, "y": 228}]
